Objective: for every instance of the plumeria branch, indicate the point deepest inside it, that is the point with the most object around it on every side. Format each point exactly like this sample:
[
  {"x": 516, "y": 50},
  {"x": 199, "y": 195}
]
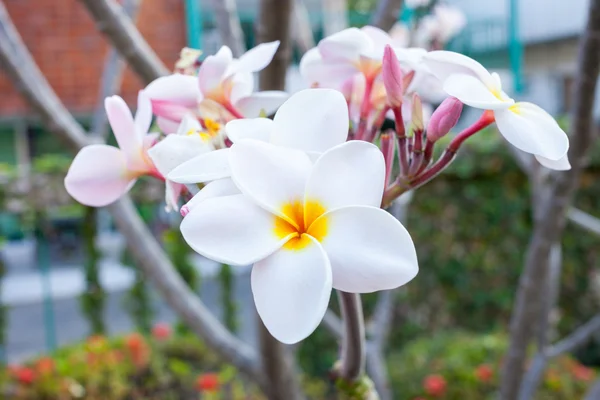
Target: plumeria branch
[
  {"x": 548, "y": 230},
  {"x": 386, "y": 14},
  {"x": 20, "y": 66},
  {"x": 114, "y": 23},
  {"x": 353, "y": 343}
]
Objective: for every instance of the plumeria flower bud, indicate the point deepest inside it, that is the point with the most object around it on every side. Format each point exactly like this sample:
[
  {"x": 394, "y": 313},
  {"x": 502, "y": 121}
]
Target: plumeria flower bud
[
  {"x": 417, "y": 114},
  {"x": 392, "y": 77},
  {"x": 100, "y": 174},
  {"x": 524, "y": 125},
  {"x": 444, "y": 118},
  {"x": 308, "y": 227}
]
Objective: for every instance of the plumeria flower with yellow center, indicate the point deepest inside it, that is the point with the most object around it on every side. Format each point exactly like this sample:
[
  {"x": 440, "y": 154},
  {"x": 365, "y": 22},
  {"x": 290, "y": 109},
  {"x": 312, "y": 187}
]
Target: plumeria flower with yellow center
[
  {"x": 312, "y": 120},
  {"x": 307, "y": 228},
  {"x": 100, "y": 174},
  {"x": 223, "y": 89},
  {"x": 189, "y": 141},
  {"x": 524, "y": 125}
]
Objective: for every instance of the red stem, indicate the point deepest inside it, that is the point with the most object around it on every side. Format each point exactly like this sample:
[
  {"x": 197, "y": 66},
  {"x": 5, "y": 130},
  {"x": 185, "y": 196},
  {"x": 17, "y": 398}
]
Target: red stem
[
  {"x": 232, "y": 110},
  {"x": 486, "y": 119},
  {"x": 377, "y": 124},
  {"x": 417, "y": 153},
  {"x": 364, "y": 110},
  {"x": 402, "y": 140},
  {"x": 427, "y": 155}
]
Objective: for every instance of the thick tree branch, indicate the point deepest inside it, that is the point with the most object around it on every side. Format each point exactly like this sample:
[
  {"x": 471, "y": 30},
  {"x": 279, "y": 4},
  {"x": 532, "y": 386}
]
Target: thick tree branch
[
  {"x": 353, "y": 343},
  {"x": 228, "y": 24},
  {"x": 21, "y": 68},
  {"x": 386, "y": 14},
  {"x": 112, "y": 21},
  {"x": 548, "y": 230},
  {"x": 274, "y": 24},
  {"x": 112, "y": 75}
]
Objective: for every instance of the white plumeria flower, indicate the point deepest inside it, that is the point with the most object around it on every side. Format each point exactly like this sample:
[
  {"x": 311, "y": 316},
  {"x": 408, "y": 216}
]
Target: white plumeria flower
[
  {"x": 189, "y": 141},
  {"x": 312, "y": 120},
  {"x": 524, "y": 125},
  {"x": 442, "y": 25},
  {"x": 224, "y": 86},
  {"x": 307, "y": 228}
]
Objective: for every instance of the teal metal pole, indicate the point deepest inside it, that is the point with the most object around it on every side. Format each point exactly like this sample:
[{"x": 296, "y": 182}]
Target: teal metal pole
[
  {"x": 515, "y": 46},
  {"x": 193, "y": 20},
  {"x": 44, "y": 261}
]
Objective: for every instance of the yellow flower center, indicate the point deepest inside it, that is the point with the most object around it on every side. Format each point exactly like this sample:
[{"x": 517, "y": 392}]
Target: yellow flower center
[
  {"x": 212, "y": 126},
  {"x": 302, "y": 220}
]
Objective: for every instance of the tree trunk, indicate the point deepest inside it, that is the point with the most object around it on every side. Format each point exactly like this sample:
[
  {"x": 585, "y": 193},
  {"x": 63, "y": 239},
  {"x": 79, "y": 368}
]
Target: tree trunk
[
  {"x": 228, "y": 24},
  {"x": 274, "y": 24}
]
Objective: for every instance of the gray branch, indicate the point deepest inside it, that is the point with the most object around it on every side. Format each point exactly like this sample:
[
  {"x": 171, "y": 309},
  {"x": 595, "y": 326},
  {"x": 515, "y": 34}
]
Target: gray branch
[
  {"x": 112, "y": 75},
  {"x": 301, "y": 28},
  {"x": 112, "y": 21},
  {"x": 386, "y": 14},
  {"x": 548, "y": 230},
  {"x": 274, "y": 24},
  {"x": 21, "y": 68},
  {"x": 594, "y": 392},
  {"x": 228, "y": 25}
]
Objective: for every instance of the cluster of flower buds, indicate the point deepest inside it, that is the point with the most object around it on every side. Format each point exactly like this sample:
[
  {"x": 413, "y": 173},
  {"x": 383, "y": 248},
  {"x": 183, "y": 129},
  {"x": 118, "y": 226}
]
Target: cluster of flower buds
[{"x": 300, "y": 196}]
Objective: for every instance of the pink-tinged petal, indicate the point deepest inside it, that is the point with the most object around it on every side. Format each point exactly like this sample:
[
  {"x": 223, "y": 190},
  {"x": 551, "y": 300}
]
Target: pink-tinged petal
[
  {"x": 261, "y": 102},
  {"x": 123, "y": 127},
  {"x": 143, "y": 114},
  {"x": 291, "y": 291},
  {"x": 327, "y": 74},
  {"x": 379, "y": 38},
  {"x": 173, "y": 112},
  {"x": 176, "y": 88},
  {"x": 231, "y": 230},
  {"x": 242, "y": 85},
  {"x": 172, "y": 192},
  {"x": 346, "y": 45},
  {"x": 562, "y": 164},
  {"x": 98, "y": 176},
  {"x": 175, "y": 150},
  {"x": 257, "y": 58},
  {"x": 218, "y": 188},
  {"x": 167, "y": 126},
  {"x": 212, "y": 71},
  {"x": 369, "y": 250}
]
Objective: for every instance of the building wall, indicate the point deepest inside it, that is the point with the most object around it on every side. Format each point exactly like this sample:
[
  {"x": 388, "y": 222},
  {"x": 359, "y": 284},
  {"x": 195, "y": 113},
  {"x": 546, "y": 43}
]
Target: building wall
[{"x": 70, "y": 52}]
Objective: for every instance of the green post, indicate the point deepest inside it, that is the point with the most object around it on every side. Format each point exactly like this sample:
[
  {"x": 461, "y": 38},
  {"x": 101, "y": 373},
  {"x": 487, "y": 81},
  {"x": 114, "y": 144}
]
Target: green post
[
  {"x": 193, "y": 19},
  {"x": 515, "y": 46},
  {"x": 43, "y": 249}
]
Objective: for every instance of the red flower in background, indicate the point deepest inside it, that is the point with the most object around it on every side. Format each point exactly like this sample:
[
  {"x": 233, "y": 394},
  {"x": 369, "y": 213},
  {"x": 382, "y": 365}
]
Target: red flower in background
[
  {"x": 434, "y": 385},
  {"x": 23, "y": 375},
  {"x": 207, "y": 383},
  {"x": 484, "y": 373},
  {"x": 161, "y": 331},
  {"x": 138, "y": 349},
  {"x": 582, "y": 373},
  {"x": 44, "y": 366}
]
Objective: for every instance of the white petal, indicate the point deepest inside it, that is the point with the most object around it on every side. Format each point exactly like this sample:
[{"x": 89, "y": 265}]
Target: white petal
[
  {"x": 471, "y": 91},
  {"x": 203, "y": 168},
  {"x": 213, "y": 68},
  {"x": 174, "y": 150},
  {"x": 270, "y": 175},
  {"x": 188, "y": 123},
  {"x": 242, "y": 85},
  {"x": 231, "y": 230},
  {"x": 327, "y": 74},
  {"x": 562, "y": 164},
  {"x": 291, "y": 291},
  {"x": 172, "y": 192},
  {"x": 261, "y": 102},
  {"x": 123, "y": 127},
  {"x": 143, "y": 114},
  {"x": 531, "y": 129},
  {"x": 251, "y": 128},
  {"x": 369, "y": 250},
  {"x": 379, "y": 37},
  {"x": 347, "y": 45},
  {"x": 166, "y": 125},
  {"x": 352, "y": 173},
  {"x": 180, "y": 89},
  {"x": 98, "y": 175},
  {"x": 218, "y": 188},
  {"x": 257, "y": 58},
  {"x": 445, "y": 63},
  {"x": 312, "y": 120}
]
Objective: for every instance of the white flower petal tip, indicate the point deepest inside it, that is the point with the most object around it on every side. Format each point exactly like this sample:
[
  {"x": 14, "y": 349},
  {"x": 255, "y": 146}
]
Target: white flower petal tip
[
  {"x": 257, "y": 58},
  {"x": 532, "y": 130},
  {"x": 218, "y": 188},
  {"x": 369, "y": 250},
  {"x": 261, "y": 103},
  {"x": 231, "y": 230},
  {"x": 98, "y": 176},
  {"x": 562, "y": 164},
  {"x": 250, "y": 128},
  {"x": 203, "y": 168},
  {"x": 312, "y": 120},
  {"x": 291, "y": 291}
]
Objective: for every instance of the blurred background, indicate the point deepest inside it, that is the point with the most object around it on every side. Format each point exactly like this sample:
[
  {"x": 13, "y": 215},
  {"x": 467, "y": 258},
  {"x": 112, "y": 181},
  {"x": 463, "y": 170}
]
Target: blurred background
[{"x": 66, "y": 274}]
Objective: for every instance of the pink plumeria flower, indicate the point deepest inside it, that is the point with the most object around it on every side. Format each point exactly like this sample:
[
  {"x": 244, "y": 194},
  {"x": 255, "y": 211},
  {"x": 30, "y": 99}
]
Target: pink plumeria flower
[
  {"x": 100, "y": 174},
  {"x": 307, "y": 228},
  {"x": 312, "y": 120},
  {"x": 524, "y": 125},
  {"x": 189, "y": 141},
  {"x": 223, "y": 89}
]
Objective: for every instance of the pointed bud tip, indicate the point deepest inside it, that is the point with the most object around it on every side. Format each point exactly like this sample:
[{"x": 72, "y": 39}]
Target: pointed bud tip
[
  {"x": 444, "y": 118},
  {"x": 392, "y": 77}
]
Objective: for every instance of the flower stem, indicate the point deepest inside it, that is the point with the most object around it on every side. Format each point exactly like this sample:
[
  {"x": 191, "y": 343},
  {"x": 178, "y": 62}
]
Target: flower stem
[
  {"x": 402, "y": 140},
  {"x": 377, "y": 124},
  {"x": 417, "y": 153},
  {"x": 486, "y": 119},
  {"x": 353, "y": 347},
  {"x": 364, "y": 110}
]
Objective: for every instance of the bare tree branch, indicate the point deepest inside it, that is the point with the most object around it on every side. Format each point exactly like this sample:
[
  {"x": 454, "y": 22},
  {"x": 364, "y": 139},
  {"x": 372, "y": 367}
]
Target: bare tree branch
[
  {"x": 548, "y": 230},
  {"x": 386, "y": 14},
  {"x": 112, "y": 21},
  {"x": 353, "y": 342},
  {"x": 228, "y": 24},
  {"x": 594, "y": 392},
  {"x": 21, "y": 68},
  {"x": 112, "y": 75},
  {"x": 585, "y": 220}
]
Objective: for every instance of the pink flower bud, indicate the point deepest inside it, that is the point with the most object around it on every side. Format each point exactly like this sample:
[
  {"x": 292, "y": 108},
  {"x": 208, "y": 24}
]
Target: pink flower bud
[
  {"x": 416, "y": 117},
  {"x": 185, "y": 210},
  {"x": 392, "y": 77},
  {"x": 444, "y": 118}
]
